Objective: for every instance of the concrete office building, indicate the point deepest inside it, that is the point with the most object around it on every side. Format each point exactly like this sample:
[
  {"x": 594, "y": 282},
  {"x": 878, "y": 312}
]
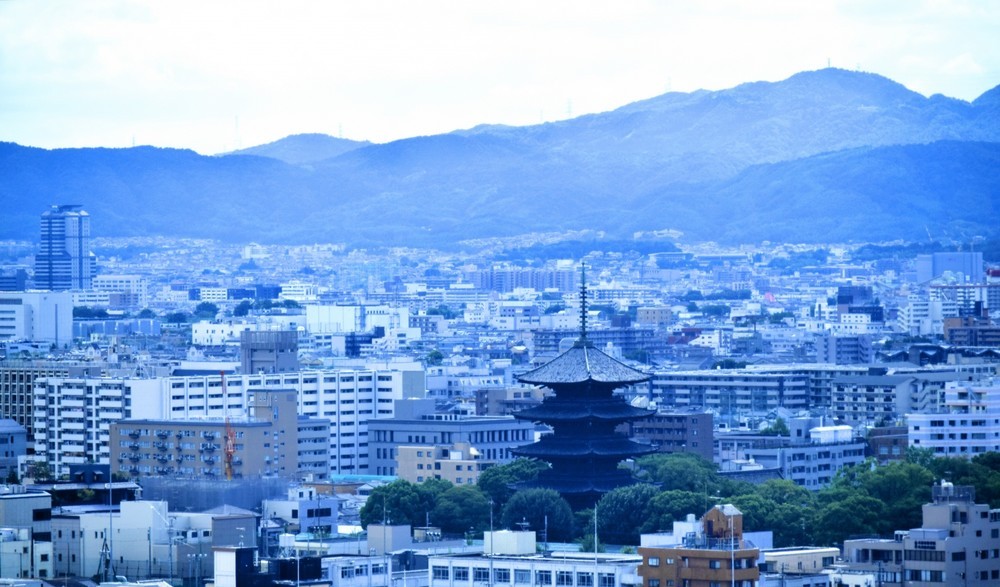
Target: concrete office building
[
  {"x": 416, "y": 424},
  {"x": 460, "y": 463},
  {"x": 269, "y": 351},
  {"x": 511, "y": 558},
  {"x": 37, "y": 316},
  {"x": 64, "y": 260}
]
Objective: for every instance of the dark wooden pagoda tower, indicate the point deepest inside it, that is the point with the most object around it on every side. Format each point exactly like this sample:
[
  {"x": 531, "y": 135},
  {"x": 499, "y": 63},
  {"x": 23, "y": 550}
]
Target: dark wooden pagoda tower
[{"x": 584, "y": 449}]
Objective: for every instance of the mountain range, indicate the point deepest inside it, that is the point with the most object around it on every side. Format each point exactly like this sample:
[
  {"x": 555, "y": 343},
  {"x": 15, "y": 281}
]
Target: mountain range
[{"x": 823, "y": 156}]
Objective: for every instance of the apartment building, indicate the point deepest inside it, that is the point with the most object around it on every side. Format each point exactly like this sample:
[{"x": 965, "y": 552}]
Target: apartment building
[
  {"x": 956, "y": 544},
  {"x": 688, "y": 431},
  {"x": 72, "y": 415},
  {"x": 265, "y": 443},
  {"x": 730, "y": 391},
  {"x": 17, "y": 382},
  {"x": 967, "y": 423}
]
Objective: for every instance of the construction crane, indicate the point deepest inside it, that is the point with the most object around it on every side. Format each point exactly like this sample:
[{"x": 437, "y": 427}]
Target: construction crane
[{"x": 230, "y": 446}]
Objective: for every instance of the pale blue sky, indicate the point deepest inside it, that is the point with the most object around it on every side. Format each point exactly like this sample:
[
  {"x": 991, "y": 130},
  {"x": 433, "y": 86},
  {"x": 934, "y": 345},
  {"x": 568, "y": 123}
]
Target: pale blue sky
[{"x": 216, "y": 75}]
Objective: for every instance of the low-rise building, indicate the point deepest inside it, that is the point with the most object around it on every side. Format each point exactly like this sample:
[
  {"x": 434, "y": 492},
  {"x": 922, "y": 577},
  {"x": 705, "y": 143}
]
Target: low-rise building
[
  {"x": 511, "y": 558},
  {"x": 715, "y": 554},
  {"x": 459, "y": 463}
]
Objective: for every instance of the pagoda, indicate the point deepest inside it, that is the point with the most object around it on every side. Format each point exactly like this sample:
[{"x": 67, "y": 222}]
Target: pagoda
[{"x": 584, "y": 449}]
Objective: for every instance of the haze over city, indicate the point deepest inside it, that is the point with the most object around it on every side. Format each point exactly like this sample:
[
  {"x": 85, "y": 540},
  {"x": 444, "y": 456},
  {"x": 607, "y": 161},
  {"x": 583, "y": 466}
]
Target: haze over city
[{"x": 219, "y": 76}]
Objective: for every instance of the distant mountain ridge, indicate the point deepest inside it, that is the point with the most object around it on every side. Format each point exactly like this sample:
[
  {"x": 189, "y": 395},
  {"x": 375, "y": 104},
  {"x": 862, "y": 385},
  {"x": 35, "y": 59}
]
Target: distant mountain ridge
[
  {"x": 828, "y": 155},
  {"x": 303, "y": 149}
]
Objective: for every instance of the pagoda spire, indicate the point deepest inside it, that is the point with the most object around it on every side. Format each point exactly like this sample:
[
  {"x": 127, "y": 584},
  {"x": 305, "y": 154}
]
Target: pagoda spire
[{"x": 583, "y": 341}]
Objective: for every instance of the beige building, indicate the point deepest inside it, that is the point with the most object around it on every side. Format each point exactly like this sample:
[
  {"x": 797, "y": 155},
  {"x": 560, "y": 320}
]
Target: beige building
[
  {"x": 714, "y": 555},
  {"x": 459, "y": 463},
  {"x": 266, "y": 443}
]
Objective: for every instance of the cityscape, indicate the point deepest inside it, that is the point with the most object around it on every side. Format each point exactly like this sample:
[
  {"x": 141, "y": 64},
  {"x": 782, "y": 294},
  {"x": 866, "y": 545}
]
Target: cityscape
[
  {"x": 499, "y": 294},
  {"x": 238, "y": 403}
]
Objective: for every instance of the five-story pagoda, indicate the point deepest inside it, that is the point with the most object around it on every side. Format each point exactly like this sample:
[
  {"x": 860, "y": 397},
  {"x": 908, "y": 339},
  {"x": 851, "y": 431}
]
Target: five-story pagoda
[{"x": 584, "y": 449}]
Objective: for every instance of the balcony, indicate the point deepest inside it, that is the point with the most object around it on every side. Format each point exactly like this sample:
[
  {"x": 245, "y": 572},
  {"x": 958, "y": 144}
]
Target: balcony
[
  {"x": 135, "y": 457},
  {"x": 163, "y": 433},
  {"x": 163, "y": 458},
  {"x": 134, "y": 446},
  {"x": 134, "y": 434}
]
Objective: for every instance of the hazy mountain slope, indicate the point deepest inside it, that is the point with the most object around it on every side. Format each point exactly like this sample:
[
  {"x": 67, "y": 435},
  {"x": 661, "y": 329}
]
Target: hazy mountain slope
[
  {"x": 303, "y": 149},
  {"x": 814, "y": 157}
]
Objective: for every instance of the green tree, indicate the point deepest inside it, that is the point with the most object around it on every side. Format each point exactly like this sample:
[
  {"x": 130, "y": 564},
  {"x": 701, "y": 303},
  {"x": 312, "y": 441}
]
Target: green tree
[
  {"x": 622, "y": 512},
  {"x": 460, "y": 508},
  {"x": 206, "y": 311},
  {"x": 40, "y": 471},
  {"x": 433, "y": 358},
  {"x": 587, "y": 544},
  {"x": 147, "y": 313},
  {"x": 243, "y": 308},
  {"x": 672, "y": 505},
  {"x": 399, "y": 502},
  {"x": 497, "y": 482},
  {"x": 683, "y": 471},
  {"x": 850, "y": 514},
  {"x": 176, "y": 318},
  {"x": 779, "y": 428},
  {"x": 540, "y": 508}
]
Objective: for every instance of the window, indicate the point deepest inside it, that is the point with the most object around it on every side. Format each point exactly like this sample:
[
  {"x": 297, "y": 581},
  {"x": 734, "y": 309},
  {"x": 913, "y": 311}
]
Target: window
[
  {"x": 653, "y": 583},
  {"x": 564, "y": 578},
  {"x": 501, "y": 575},
  {"x": 440, "y": 573},
  {"x": 522, "y": 576},
  {"x": 543, "y": 577},
  {"x": 480, "y": 574},
  {"x": 715, "y": 564},
  {"x": 654, "y": 561},
  {"x": 585, "y": 580},
  {"x": 461, "y": 573},
  {"x": 606, "y": 580}
]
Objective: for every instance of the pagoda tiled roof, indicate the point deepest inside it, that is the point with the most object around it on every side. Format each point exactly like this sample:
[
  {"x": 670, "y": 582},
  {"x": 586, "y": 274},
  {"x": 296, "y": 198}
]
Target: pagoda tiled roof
[
  {"x": 580, "y": 364},
  {"x": 576, "y": 485},
  {"x": 552, "y": 410},
  {"x": 554, "y": 446}
]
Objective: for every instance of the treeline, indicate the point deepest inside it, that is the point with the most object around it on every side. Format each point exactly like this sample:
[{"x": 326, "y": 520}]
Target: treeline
[{"x": 862, "y": 500}]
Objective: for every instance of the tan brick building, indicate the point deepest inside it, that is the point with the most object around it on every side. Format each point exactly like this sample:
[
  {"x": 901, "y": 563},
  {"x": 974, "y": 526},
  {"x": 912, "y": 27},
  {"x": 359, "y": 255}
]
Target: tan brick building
[{"x": 716, "y": 556}]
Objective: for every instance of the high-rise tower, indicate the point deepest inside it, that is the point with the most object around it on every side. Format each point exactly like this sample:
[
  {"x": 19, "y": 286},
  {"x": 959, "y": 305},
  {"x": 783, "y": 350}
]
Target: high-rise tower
[
  {"x": 584, "y": 449},
  {"x": 64, "y": 260}
]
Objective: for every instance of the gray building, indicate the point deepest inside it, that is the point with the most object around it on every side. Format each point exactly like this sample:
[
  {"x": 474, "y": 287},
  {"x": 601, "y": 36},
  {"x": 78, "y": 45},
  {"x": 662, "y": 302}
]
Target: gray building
[
  {"x": 955, "y": 545},
  {"x": 265, "y": 351},
  {"x": 13, "y": 444},
  {"x": 64, "y": 260},
  {"x": 417, "y": 424}
]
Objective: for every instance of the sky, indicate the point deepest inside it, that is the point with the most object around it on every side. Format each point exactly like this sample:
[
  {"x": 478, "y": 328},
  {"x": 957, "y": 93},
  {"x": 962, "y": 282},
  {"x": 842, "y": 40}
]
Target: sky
[{"x": 220, "y": 75}]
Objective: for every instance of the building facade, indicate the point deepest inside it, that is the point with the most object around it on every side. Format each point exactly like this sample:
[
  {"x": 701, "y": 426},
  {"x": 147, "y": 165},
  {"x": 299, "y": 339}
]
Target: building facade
[
  {"x": 957, "y": 544},
  {"x": 64, "y": 260}
]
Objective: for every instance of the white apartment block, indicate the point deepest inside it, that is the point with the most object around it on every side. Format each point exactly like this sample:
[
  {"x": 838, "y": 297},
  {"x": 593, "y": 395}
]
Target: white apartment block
[
  {"x": 40, "y": 316},
  {"x": 968, "y": 423},
  {"x": 925, "y": 317},
  {"x": 72, "y": 416},
  {"x": 206, "y": 333},
  {"x": 299, "y": 291},
  {"x": 135, "y": 285}
]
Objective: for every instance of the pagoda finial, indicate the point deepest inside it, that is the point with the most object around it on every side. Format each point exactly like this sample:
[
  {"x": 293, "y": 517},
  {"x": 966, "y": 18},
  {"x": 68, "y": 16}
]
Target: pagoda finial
[{"x": 583, "y": 304}]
